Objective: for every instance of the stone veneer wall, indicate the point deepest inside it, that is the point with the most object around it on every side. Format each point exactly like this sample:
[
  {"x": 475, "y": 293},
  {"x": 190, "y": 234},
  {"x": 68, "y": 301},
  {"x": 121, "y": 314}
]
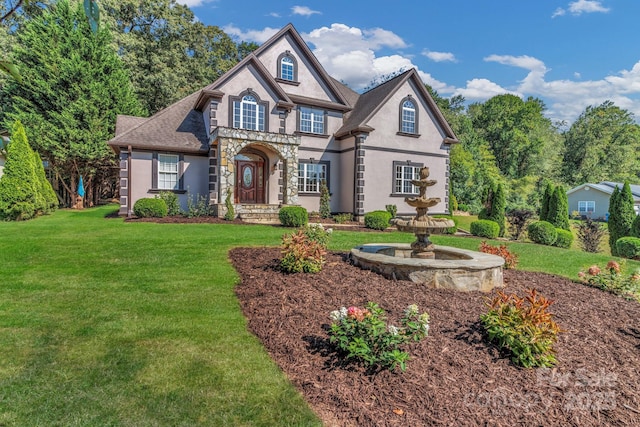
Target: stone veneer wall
[{"x": 227, "y": 143}]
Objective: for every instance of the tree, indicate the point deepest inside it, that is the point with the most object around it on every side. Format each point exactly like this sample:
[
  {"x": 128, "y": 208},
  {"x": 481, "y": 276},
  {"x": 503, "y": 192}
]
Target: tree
[
  {"x": 558, "y": 214},
  {"x": 24, "y": 191},
  {"x": 73, "y": 87},
  {"x": 168, "y": 53},
  {"x": 621, "y": 215},
  {"x": 519, "y": 135},
  {"x": 498, "y": 205},
  {"x": 602, "y": 144},
  {"x": 544, "y": 205},
  {"x": 325, "y": 199}
]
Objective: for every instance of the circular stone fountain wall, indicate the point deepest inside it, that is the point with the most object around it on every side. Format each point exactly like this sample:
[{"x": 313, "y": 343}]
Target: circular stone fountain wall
[{"x": 452, "y": 268}]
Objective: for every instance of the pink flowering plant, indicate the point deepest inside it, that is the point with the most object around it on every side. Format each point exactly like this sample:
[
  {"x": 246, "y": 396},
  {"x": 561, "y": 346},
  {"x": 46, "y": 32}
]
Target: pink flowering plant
[
  {"x": 362, "y": 334},
  {"x": 613, "y": 278}
]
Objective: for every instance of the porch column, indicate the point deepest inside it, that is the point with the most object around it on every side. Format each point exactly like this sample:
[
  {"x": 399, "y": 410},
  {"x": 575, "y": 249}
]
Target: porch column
[{"x": 358, "y": 193}]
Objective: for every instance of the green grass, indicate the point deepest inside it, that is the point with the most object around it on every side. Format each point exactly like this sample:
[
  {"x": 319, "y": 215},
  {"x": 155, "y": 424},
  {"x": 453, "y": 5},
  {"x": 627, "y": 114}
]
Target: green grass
[{"x": 109, "y": 323}]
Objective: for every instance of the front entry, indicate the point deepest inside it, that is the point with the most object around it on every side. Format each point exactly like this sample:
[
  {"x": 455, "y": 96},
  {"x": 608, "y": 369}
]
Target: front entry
[{"x": 250, "y": 181}]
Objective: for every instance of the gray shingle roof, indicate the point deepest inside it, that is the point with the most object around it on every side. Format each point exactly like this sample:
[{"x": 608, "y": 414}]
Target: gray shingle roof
[
  {"x": 608, "y": 187},
  {"x": 176, "y": 128},
  {"x": 369, "y": 102}
]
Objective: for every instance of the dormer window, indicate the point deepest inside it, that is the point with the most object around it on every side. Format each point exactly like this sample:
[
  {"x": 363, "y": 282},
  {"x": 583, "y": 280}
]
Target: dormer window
[
  {"x": 408, "y": 116},
  {"x": 287, "y": 68},
  {"x": 248, "y": 112}
]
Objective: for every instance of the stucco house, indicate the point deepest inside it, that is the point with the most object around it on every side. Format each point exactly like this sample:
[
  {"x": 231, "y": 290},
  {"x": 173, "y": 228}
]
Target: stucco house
[
  {"x": 592, "y": 200},
  {"x": 267, "y": 132}
]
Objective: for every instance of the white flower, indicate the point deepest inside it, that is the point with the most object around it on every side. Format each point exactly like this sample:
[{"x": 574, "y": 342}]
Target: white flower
[
  {"x": 425, "y": 326},
  {"x": 343, "y": 312},
  {"x": 335, "y": 315},
  {"x": 329, "y": 230},
  {"x": 393, "y": 330},
  {"x": 410, "y": 311}
]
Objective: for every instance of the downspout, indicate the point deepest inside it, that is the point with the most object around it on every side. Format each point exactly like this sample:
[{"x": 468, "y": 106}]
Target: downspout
[{"x": 129, "y": 181}]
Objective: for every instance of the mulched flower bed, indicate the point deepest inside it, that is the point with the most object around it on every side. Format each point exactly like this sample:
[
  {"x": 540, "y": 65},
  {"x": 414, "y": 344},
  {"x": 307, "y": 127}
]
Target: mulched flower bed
[{"x": 454, "y": 378}]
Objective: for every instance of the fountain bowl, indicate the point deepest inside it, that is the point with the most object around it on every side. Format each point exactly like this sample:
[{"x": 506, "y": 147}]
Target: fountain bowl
[{"x": 452, "y": 268}]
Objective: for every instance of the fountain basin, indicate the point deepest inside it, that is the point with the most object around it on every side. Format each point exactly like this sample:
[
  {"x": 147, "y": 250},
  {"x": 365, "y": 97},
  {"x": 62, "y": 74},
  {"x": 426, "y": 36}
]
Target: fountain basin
[
  {"x": 429, "y": 226},
  {"x": 452, "y": 268}
]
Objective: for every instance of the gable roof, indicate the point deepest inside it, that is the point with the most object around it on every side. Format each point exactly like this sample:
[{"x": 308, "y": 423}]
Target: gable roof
[
  {"x": 214, "y": 88},
  {"x": 369, "y": 103},
  {"x": 607, "y": 187},
  {"x": 290, "y": 30},
  {"x": 178, "y": 127}
]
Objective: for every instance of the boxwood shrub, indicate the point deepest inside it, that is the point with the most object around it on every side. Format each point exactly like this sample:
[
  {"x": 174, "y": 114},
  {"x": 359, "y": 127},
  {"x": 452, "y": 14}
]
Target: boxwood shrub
[
  {"x": 564, "y": 238},
  {"x": 485, "y": 228},
  {"x": 628, "y": 247},
  {"x": 377, "y": 220},
  {"x": 293, "y": 216},
  {"x": 542, "y": 232},
  {"x": 150, "y": 208}
]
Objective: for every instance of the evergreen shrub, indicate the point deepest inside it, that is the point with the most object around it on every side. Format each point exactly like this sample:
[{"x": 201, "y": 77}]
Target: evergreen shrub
[
  {"x": 293, "y": 216},
  {"x": 564, "y": 238},
  {"x": 485, "y": 228},
  {"x": 542, "y": 232},
  {"x": 377, "y": 220},
  {"x": 628, "y": 247},
  {"x": 150, "y": 208}
]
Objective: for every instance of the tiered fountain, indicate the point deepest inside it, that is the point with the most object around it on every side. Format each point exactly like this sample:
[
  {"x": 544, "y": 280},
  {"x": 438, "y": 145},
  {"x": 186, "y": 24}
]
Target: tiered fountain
[{"x": 422, "y": 261}]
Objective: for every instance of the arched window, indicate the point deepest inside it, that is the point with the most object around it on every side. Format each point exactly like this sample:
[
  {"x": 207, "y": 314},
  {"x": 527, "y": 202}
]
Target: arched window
[
  {"x": 408, "y": 116},
  {"x": 287, "y": 67},
  {"x": 248, "y": 113}
]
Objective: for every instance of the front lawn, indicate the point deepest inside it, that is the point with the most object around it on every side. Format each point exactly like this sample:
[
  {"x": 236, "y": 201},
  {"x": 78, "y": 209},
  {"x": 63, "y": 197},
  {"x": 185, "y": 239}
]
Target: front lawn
[{"x": 104, "y": 322}]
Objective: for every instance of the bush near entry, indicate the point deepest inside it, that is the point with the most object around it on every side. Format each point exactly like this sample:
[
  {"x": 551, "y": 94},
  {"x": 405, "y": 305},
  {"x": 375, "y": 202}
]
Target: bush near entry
[
  {"x": 377, "y": 220},
  {"x": 150, "y": 208}
]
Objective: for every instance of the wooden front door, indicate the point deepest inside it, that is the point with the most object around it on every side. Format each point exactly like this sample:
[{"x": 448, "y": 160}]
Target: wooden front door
[{"x": 249, "y": 183}]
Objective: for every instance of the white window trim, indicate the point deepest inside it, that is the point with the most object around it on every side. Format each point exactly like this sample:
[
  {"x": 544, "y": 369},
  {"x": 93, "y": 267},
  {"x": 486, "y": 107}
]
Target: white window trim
[
  {"x": 316, "y": 118},
  {"x": 401, "y": 184},
  {"x": 173, "y": 161},
  {"x": 586, "y": 204},
  {"x": 304, "y": 170}
]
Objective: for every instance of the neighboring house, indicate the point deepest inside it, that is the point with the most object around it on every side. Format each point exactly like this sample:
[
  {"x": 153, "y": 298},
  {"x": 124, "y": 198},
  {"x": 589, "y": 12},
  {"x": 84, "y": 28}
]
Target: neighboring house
[
  {"x": 267, "y": 132},
  {"x": 592, "y": 200}
]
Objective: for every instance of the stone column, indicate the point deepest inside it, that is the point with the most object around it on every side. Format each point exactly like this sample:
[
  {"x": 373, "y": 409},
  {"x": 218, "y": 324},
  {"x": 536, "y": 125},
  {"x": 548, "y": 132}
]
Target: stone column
[{"x": 359, "y": 169}]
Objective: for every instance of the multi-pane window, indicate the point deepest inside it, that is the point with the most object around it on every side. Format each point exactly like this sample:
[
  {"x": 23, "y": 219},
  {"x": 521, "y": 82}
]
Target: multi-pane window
[
  {"x": 310, "y": 175},
  {"x": 287, "y": 68},
  {"x": 168, "y": 171},
  {"x": 311, "y": 120},
  {"x": 248, "y": 114},
  {"x": 408, "y": 117},
  {"x": 586, "y": 207},
  {"x": 404, "y": 175}
]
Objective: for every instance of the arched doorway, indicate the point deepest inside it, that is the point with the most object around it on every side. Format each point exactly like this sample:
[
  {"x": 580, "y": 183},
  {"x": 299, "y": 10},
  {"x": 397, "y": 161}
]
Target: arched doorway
[{"x": 251, "y": 175}]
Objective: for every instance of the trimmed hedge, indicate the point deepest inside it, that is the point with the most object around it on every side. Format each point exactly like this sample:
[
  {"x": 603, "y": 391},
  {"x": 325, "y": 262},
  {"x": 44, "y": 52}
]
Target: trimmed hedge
[
  {"x": 564, "y": 238},
  {"x": 485, "y": 228},
  {"x": 628, "y": 247},
  {"x": 150, "y": 208},
  {"x": 293, "y": 216},
  {"x": 377, "y": 220},
  {"x": 542, "y": 232}
]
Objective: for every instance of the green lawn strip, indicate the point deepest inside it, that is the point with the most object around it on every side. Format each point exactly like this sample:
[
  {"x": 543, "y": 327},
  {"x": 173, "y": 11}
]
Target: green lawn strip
[{"x": 110, "y": 323}]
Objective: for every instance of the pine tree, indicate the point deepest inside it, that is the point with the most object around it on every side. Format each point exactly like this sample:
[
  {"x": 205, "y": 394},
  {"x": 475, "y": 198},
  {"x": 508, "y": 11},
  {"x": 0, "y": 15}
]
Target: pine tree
[
  {"x": 498, "y": 205},
  {"x": 558, "y": 213},
  {"x": 546, "y": 198},
  {"x": 621, "y": 215},
  {"x": 325, "y": 198},
  {"x": 19, "y": 185},
  {"x": 635, "y": 227},
  {"x": 73, "y": 87}
]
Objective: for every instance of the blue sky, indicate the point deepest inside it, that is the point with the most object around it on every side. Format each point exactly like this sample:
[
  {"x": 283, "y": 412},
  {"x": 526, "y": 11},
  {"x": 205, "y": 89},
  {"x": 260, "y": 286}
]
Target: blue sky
[{"x": 569, "y": 53}]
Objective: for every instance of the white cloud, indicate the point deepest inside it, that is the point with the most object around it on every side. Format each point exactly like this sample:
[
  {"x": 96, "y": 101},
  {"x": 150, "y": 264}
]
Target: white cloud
[
  {"x": 349, "y": 53},
  {"x": 193, "y": 3},
  {"x": 274, "y": 14},
  {"x": 440, "y": 56},
  {"x": 481, "y": 89},
  {"x": 304, "y": 11},
  {"x": 577, "y": 75},
  {"x": 582, "y": 6},
  {"x": 258, "y": 36}
]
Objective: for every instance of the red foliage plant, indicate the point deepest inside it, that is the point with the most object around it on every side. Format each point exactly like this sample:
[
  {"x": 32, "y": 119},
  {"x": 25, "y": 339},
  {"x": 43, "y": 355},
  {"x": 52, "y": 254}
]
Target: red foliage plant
[{"x": 510, "y": 259}]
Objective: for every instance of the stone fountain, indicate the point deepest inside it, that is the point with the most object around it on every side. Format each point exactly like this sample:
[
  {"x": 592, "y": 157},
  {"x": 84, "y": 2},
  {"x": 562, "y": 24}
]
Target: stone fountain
[{"x": 422, "y": 261}]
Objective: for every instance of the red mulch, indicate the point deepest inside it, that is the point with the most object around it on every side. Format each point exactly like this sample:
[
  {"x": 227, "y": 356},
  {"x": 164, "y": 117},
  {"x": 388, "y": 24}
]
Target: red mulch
[{"x": 454, "y": 378}]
